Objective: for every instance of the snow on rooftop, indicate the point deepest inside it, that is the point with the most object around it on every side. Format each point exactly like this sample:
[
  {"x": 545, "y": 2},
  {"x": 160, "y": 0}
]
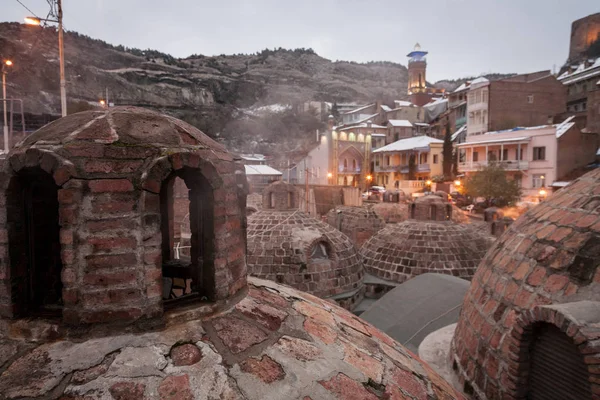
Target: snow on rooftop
[
  {"x": 560, "y": 184},
  {"x": 564, "y": 126},
  {"x": 480, "y": 80},
  {"x": 400, "y": 122},
  {"x": 361, "y": 125},
  {"x": 409, "y": 144},
  {"x": 403, "y": 103},
  {"x": 458, "y": 132},
  {"x": 581, "y": 72},
  {"x": 507, "y": 140},
  {"x": 359, "y": 109},
  {"x": 462, "y": 87},
  {"x": 253, "y": 157},
  {"x": 260, "y": 170},
  {"x": 386, "y": 108}
]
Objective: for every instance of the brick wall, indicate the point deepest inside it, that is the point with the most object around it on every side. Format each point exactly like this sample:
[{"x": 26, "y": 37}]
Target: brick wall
[
  {"x": 575, "y": 150},
  {"x": 584, "y": 32},
  {"x": 509, "y": 106},
  {"x": 593, "y": 111}
]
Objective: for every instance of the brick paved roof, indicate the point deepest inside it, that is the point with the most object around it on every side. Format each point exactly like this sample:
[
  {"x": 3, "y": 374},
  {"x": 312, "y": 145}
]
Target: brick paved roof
[
  {"x": 276, "y": 343},
  {"x": 549, "y": 256}
]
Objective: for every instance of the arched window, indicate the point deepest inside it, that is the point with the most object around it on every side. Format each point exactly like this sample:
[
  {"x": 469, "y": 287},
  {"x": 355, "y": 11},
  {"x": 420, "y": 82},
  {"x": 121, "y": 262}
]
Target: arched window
[
  {"x": 187, "y": 277},
  {"x": 556, "y": 367},
  {"x": 345, "y": 163},
  {"x": 354, "y": 165},
  {"x": 432, "y": 212},
  {"x": 271, "y": 200},
  {"x": 343, "y": 136},
  {"x": 290, "y": 199},
  {"x": 320, "y": 251},
  {"x": 34, "y": 243},
  {"x": 352, "y": 137}
]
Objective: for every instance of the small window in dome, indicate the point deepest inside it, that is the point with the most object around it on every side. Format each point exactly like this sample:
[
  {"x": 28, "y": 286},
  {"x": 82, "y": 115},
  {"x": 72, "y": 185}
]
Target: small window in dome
[{"x": 319, "y": 251}]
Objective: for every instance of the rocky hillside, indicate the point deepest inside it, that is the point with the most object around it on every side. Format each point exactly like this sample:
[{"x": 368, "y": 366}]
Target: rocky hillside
[
  {"x": 209, "y": 92},
  {"x": 451, "y": 84}
]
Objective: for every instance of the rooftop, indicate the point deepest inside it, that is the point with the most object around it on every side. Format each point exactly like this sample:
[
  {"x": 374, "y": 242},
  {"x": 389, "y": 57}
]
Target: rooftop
[
  {"x": 581, "y": 73},
  {"x": 408, "y": 144},
  {"x": 359, "y": 109},
  {"x": 400, "y": 122},
  {"x": 260, "y": 170}
]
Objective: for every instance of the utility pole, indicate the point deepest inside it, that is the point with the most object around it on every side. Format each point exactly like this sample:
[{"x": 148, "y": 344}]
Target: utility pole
[
  {"x": 5, "y": 115},
  {"x": 61, "y": 56},
  {"x": 306, "y": 190}
]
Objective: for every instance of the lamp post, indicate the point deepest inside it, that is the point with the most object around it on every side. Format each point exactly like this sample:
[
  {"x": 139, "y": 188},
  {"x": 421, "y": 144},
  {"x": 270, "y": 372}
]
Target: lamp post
[
  {"x": 61, "y": 53},
  {"x": 5, "y": 64}
]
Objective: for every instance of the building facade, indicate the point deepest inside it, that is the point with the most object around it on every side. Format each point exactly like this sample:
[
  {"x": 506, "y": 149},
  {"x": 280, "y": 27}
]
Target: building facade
[
  {"x": 521, "y": 100},
  {"x": 418, "y": 90},
  {"x": 535, "y": 156},
  {"x": 392, "y": 162}
]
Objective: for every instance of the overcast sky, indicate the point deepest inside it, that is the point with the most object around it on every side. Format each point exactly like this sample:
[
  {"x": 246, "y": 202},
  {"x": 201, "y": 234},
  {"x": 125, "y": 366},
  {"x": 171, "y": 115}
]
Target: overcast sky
[{"x": 463, "y": 37}]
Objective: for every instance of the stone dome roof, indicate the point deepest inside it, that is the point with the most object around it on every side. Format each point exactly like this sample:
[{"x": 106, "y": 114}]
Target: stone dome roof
[
  {"x": 358, "y": 223},
  {"x": 400, "y": 251},
  {"x": 282, "y": 246},
  {"x": 391, "y": 212},
  {"x": 276, "y": 343},
  {"x": 120, "y": 127},
  {"x": 544, "y": 271}
]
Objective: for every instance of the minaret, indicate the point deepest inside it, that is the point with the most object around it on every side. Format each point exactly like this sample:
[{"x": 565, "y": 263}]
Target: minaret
[{"x": 417, "y": 64}]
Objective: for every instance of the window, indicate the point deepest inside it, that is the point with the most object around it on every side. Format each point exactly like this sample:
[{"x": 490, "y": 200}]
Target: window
[
  {"x": 186, "y": 194},
  {"x": 34, "y": 244},
  {"x": 505, "y": 154},
  {"x": 539, "y": 153},
  {"x": 435, "y": 158},
  {"x": 538, "y": 180},
  {"x": 475, "y": 156},
  {"x": 354, "y": 165},
  {"x": 530, "y": 99},
  {"x": 387, "y": 160},
  {"x": 484, "y": 96},
  {"x": 319, "y": 251},
  {"x": 345, "y": 163}
]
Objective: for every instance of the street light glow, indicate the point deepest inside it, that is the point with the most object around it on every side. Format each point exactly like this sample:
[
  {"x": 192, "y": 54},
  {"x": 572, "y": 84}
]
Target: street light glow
[
  {"x": 8, "y": 63},
  {"x": 329, "y": 175},
  {"x": 33, "y": 21},
  {"x": 457, "y": 183},
  {"x": 542, "y": 192},
  {"x": 428, "y": 183},
  {"x": 102, "y": 102},
  {"x": 369, "y": 177}
]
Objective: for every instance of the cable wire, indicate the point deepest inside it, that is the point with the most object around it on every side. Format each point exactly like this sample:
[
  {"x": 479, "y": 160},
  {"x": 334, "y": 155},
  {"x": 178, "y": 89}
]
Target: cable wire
[{"x": 25, "y": 7}]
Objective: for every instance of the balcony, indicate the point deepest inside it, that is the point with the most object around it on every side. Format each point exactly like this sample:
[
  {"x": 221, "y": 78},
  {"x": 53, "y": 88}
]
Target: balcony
[
  {"x": 420, "y": 168},
  {"x": 349, "y": 170},
  {"x": 511, "y": 165},
  {"x": 460, "y": 122},
  {"x": 386, "y": 168}
]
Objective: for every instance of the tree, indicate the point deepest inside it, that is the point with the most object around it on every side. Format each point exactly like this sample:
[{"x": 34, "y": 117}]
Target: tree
[
  {"x": 447, "y": 153},
  {"x": 412, "y": 167},
  {"x": 491, "y": 182},
  {"x": 455, "y": 163}
]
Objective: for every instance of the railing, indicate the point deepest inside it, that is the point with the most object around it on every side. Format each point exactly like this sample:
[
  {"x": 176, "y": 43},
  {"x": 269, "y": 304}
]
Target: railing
[
  {"x": 348, "y": 170},
  {"x": 460, "y": 122},
  {"x": 511, "y": 165},
  {"x": 411, "y": 184},
  {"x": 386, "y": 168}
]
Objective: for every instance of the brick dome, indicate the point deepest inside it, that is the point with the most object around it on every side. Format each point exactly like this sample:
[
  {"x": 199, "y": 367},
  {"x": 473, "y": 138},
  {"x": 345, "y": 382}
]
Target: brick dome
[
  {"x": 539, "y": 284},
  {"x": 428, "y": 242},
  {"x": 276, "y": 343},
  {"x": 391, "y": 213},
  {"x": 358, "y": 223},
  {"x": 89, "y": 211}
]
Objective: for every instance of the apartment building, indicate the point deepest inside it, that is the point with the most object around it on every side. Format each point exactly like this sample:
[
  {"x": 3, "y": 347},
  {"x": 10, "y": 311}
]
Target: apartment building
[
  {"x": 391, "y": 162},
  {"x": 536, "y": 156},
  {"x": 521, "y": 100}
]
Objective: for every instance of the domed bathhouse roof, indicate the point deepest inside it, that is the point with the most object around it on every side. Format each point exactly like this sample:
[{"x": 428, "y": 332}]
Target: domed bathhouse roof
[
  {"x": 391, "y": 213},
  {"x": 428, "y": 242},
  {"x": 95, "y": 304},
  {"x": 358, "y": 223},
  {"x": 288, "y": 246},
  {"x": 530, "y": 322}
]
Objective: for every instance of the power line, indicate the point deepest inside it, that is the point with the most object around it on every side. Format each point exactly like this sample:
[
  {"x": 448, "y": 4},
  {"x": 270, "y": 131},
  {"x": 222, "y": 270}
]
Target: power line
[{"x": 25, "y": 7}]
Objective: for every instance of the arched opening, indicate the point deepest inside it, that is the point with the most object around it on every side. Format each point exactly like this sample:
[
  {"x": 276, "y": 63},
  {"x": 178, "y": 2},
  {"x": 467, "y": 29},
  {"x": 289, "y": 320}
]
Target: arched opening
[
  {"x": 34, "y": 244},
  {"x": 432, "y": 212},
  {"x": 187, "y": 272},
  {"x": 448, "y": 211},
  {"x": 556, "y": 367},
  {"x": 345, "y": 181},
  {"x": 345, "y": 163},
  {"x": 271, "y": 200},
  {"x": 290, "y": 200},
  {"x": 413, "y": 208}
]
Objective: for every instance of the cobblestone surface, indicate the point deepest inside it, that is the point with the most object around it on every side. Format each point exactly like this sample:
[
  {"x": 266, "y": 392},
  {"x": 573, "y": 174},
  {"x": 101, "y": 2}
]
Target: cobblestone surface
[
  {"x": 325, "y": 360},
  {"x": 358, "y": 223}
]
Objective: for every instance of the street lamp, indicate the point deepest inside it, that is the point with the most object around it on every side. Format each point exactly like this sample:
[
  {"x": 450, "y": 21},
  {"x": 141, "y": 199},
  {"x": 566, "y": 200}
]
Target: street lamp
[
  {"x": 5, "y": 64},
  {"x": 61, "y": 53},
  {"x": 457, "y": 183}
]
